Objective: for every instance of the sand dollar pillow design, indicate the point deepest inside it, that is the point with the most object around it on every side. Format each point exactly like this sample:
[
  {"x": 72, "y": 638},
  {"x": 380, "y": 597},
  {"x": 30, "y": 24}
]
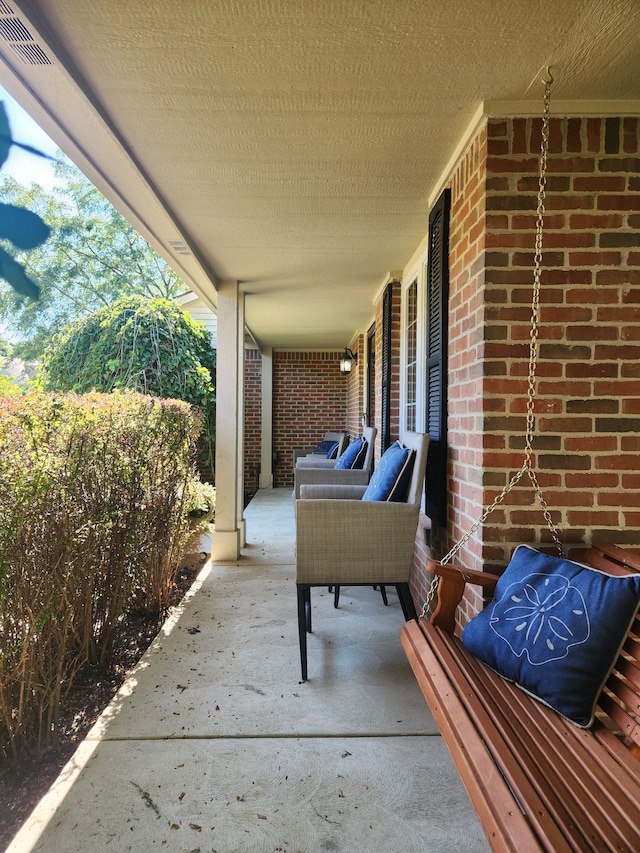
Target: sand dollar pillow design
[
  {"x": 555, "y": 628},
  {"x": 541, "y": 617}
]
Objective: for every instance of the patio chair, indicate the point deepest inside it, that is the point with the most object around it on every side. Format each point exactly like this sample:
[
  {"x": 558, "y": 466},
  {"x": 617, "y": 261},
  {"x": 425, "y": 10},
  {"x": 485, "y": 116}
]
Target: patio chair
[
  {"x": 318, "y": 471},
  {"x": 320, "y": 451},
  {"x": 355, "y": 536}
]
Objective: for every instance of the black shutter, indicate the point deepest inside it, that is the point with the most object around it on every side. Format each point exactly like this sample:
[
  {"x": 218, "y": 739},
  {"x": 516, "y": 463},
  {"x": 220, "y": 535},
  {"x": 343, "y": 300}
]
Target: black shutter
[
  {"x": 385, "y": 414},
  {"x": 436, "y": 366}
]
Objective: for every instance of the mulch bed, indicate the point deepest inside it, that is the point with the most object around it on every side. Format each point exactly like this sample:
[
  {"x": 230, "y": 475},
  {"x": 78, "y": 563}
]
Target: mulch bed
[{"x": 21, "y": 788}]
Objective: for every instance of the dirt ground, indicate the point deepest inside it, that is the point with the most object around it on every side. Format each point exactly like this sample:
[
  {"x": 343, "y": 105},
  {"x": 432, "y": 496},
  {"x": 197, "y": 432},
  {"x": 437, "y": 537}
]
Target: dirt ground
[{"x": 22, "y": 787}]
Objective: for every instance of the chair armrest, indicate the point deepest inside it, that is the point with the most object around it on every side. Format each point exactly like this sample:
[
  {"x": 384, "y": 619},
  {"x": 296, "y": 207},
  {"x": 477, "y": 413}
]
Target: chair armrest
[
  {"x": 315, "y": 461},
  {"x": 329, "y": 477},
  {"x": 332, "y": 491}
]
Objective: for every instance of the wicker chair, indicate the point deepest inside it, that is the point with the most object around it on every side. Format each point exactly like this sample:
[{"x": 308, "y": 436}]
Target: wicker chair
[
  {"x": 342, "y": 540},
  {"x": 304, "y": 453},
  {"x": 319, "y": 471}
]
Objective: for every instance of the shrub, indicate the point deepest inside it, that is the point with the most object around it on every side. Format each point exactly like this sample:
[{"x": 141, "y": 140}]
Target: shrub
[
  {"x": 146, "y": 345},
  {"x": 9, "y": 388},
  {"x": 95, "y": 517}
]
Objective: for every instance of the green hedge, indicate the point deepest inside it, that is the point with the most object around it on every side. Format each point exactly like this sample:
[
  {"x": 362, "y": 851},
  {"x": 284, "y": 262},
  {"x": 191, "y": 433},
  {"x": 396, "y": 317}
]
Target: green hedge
[{"x": 94, "y": 518}]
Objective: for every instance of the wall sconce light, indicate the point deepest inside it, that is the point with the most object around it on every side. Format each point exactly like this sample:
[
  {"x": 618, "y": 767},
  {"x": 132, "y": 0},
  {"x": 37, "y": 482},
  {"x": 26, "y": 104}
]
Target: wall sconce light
[{"x": 347, "y": 360}]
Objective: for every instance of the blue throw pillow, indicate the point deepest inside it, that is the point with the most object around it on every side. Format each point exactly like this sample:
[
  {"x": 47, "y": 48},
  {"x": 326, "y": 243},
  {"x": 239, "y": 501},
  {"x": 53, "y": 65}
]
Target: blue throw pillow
[
  {"x": 555, "y": 628},
  {"x": 354, "y": 455},
  {"x": 390, "y": 480},
  {"x": 333, "y": 451},
  {"x": 325, "y": 447}
]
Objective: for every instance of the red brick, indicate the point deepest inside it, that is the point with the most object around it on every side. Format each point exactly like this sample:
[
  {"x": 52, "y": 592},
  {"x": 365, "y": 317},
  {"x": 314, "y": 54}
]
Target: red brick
[
  {"x": 593, "y": 518},
  {"x": 600, "y": 183},
  {"x": 618, "y": 462},
  {"x": 594, "y": 134},
  {"x": 618, "y": 202},
  {"x": 571, "y": 164},
  {"x": 594, "y": 259},
  {"x": 630, "y": 135},
  {"x": 626, "y": 498},
  {"x": 596, "y": 221},
  {"x": 574, "y": 141}
]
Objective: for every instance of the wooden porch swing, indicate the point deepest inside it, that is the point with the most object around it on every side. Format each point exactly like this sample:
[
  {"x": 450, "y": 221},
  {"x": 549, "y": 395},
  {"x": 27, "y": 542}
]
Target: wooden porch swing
[{"x": 549, "y": 761}]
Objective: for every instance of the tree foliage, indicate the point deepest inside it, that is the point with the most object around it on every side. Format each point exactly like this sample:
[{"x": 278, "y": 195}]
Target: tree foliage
[
  {"x": 147, "y": 345},
  {"x": 20, "y": 227},
  {"x": 93, "y": 257}
]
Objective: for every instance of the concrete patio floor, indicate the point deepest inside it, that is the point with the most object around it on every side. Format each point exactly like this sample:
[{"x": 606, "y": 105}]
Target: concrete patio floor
[{"x": 213, "y": 744}]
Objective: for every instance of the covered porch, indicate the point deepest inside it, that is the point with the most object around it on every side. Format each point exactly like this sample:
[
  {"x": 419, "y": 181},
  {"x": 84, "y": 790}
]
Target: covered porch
[
  {"x": 359, "y": 175},
  {"x": 213, "y": 743},
  {"x": 294, "y": 164}
]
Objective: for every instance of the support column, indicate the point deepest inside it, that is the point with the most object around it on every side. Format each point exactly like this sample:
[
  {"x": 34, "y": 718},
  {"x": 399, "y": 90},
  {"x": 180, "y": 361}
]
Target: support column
[
  {"x": 266, "y": 430},
  {"x": 225, "y": 543},
  {"x": 242, "y": 524}
]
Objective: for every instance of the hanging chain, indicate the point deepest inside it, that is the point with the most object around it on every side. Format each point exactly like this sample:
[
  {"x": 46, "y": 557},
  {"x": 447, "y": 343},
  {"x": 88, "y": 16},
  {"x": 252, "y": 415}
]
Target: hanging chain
[
  {"x": 535, "y": 317},
  {"x": 527, "y": 466}
]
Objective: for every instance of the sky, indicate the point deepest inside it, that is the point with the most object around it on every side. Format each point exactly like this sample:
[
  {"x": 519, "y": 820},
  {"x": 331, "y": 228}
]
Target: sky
[{"x": 24, "y": 167}]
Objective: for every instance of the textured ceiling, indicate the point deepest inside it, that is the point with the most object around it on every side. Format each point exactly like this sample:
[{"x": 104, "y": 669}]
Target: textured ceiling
[{"x": 297, "y": 146}]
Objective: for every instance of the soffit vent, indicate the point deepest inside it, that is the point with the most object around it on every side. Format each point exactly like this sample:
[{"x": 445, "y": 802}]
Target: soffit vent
[
  {"x": 179, "y": 247},
  {"x": 19, "y": 39}
]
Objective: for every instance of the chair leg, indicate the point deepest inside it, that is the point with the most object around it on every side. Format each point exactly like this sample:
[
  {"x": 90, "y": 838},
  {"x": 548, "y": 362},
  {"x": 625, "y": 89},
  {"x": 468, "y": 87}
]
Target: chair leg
[
  {"x": 406, "y": 601},
  {"x": 304, "y": 624},
  {"x": 307, "y": 608},
  {"x": 383, "y": 593},
  {"x": 336, "y": 595}
]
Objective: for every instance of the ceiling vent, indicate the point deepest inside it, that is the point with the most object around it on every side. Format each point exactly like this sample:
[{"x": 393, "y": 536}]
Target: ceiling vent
[
  {"x": 179, "y": 247},
  {"x": 14, "y": 32}
]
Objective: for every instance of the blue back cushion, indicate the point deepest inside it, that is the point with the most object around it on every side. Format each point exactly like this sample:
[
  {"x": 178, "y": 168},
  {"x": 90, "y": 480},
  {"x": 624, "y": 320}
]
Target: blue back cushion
[
  {"x": 555, "y": 628},
  {"x": 325, "y": 447},
  {"x": 353, "y": 456},
  {"x": 390, "y": 481}
]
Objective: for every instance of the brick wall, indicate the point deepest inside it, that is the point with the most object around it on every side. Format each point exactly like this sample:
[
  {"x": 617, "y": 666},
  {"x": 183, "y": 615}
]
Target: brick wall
[
  {"x": 589, "y": 382},
  {"x": 354, "y": 386},
  {"x": 587, "y": 447},
  {"x": 252, "y": 421},
  {"x": 309, "y": 397}
]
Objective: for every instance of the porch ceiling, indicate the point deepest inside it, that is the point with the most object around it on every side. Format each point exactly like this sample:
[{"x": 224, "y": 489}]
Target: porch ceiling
[{"x": 297, "y": 146}]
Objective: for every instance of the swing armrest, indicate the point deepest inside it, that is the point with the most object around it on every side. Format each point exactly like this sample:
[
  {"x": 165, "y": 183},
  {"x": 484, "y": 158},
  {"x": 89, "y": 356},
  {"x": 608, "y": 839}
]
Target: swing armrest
[{"x": 453, "y": 580}]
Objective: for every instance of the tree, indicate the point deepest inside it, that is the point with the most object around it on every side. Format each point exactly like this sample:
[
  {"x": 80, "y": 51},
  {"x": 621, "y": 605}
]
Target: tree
[
  {"x": 93, "y": 257},
  {"x": 149, "y": 345},
  {"x": 19, "y": 227}
]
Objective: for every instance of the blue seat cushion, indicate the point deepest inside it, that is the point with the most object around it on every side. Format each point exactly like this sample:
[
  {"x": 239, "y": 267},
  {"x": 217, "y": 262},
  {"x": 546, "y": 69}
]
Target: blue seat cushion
[
  {"x": 555, "y": 628},
  {"x": 390, "y": 481},
  {"x": 354, "y": 455}
]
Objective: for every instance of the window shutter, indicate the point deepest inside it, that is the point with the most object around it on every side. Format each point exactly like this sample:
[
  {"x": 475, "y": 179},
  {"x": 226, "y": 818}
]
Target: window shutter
[
  {"x": 436, "y": 364},
  {"x": 385, "y": 413}
]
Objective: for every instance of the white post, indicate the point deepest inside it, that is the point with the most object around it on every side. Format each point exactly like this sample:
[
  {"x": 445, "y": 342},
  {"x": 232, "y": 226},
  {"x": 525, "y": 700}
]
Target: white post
[
  {"x": 242, "y": 524},
  {"x": 225, "y": 543}
]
